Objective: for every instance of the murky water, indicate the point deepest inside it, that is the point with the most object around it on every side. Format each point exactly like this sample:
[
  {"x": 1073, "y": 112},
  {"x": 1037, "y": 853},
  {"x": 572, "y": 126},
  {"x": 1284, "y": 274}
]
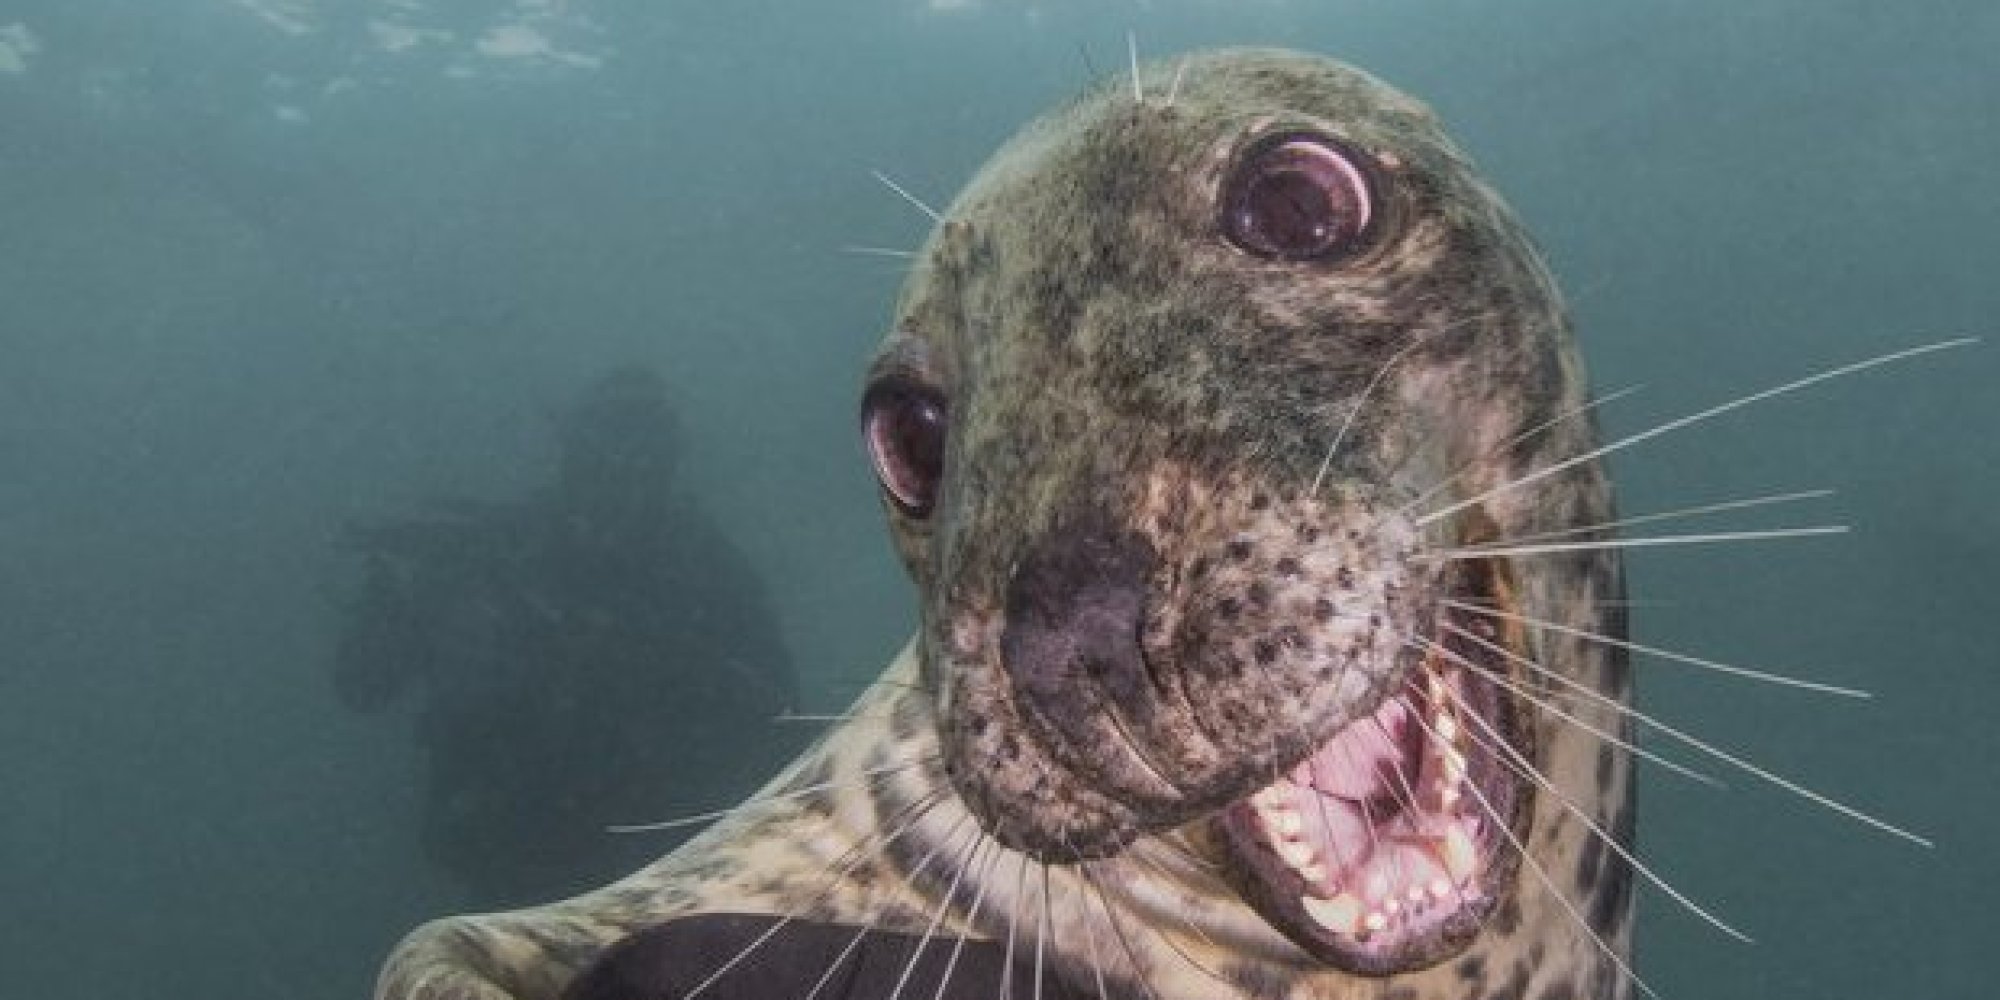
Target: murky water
[{"x": 271, "y": 265}]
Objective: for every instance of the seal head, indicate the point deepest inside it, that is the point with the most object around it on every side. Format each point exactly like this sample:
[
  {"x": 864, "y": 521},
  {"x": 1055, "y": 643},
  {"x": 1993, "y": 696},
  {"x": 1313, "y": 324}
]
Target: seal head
[{"x": 1189, "y": 414}]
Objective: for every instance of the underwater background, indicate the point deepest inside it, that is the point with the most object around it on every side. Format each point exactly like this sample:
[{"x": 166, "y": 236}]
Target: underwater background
[{"x": 272, "y": 268}]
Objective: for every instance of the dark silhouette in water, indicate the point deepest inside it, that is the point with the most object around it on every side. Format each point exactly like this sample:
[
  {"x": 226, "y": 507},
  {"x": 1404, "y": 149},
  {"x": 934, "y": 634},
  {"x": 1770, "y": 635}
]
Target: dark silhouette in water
[{"x": 594, "y": 654}]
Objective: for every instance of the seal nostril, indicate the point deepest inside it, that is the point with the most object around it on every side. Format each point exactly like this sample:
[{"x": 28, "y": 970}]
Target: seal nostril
[{"x": 1074, "y": 615}]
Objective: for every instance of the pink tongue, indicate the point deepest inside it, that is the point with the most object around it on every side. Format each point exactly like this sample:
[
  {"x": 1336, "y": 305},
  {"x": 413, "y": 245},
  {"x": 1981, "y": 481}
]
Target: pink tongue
[{"x": 1362, "y": 761}]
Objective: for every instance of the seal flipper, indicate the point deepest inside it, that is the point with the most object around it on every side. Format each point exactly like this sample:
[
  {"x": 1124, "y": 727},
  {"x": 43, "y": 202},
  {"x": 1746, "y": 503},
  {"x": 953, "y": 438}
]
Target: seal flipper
[{"x": 673, "y": 959}]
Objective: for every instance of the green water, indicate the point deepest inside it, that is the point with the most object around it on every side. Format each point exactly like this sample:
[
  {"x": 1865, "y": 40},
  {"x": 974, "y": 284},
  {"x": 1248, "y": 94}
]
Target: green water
[{"x": 270, "y": 264}]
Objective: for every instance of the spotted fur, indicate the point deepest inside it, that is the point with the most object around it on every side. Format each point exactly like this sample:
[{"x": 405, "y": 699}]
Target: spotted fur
[{"x": 1116, "y": 371}]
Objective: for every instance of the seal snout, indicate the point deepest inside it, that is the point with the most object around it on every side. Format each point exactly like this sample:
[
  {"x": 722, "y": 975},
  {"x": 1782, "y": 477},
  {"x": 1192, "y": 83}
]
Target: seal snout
[
  {"x": 1169, "y": 660},
  {"x": 1072, "y": 653}
]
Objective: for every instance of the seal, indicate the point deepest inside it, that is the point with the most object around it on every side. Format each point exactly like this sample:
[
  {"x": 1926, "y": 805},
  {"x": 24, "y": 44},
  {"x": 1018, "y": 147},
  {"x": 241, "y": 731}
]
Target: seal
[{"x": 1207, "y": 418}]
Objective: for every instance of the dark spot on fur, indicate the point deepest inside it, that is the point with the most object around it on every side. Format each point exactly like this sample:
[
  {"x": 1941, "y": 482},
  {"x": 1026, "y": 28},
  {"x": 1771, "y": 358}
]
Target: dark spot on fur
[
  {"x": 1561, "y": 989},
  {"x": 1611, "y": 903},
  {"x": 1260, "y": 502},
  {"x": 1472, "y": 970},
  {"x": 575, "y": 952},
  {"x": 1308, "y": 533},
  {"x": 1590, "y": 863},
  {"x": 1322, "y": 611},
  {"x": 1604, "y": 980},
  {"x": 1344, "y": 577},
  {"x": 711, "y": 868},
  {"x": 1238, "y": 550},
  {"x": 1257, "y": 980},
  {"x": 1260, "y": 594},
  {"x": 1515, "y": 988},
  {"x": 1287, "y": 567},
  {"x": 1266, "y": 652},
  {"x": 1228, "y": 608}
]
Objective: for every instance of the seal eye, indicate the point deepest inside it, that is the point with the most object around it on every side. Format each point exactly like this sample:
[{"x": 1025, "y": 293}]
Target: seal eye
[
  {"x": 1297, "y": 196},
  {"x": 905, "y": 429}
]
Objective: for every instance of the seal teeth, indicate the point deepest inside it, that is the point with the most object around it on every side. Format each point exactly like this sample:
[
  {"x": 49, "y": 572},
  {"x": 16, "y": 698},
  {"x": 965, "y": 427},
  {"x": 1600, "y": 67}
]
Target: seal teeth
[
  {"x": 1298, "y": 854},
  {"x": 1279, "y": 816},
  {"x": 1459, "y": 854},
  {"x": 1341, "y": 914},
  {"x": 1288, "y": 822}
]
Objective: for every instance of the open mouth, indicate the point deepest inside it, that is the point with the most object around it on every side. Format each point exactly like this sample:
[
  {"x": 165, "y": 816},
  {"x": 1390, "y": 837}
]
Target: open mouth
[{"x": 1388, "y": 846}]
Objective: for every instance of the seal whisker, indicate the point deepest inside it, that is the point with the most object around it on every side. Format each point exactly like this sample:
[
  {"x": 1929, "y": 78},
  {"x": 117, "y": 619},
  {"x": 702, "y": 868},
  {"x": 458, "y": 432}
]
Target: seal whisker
[
  {"x": 841, "y": 958},
  {"x": 1694, "y": 418},
  {"x": 1541, "y": 873},
  {"x": 1724, "y": 756},
  {"x": 1765, "y": 676},
  {"x": 1769, "y": 500},
  {"x": 1518, "y": 439},
  {"x": 1132, "y": 51},
  {"x": 1548, "y": 707},
  {"x": 825, "y": 717},
  {"x": 1406, "y": 798},
  {"x": 873, "y": 921},
  {"x": 1339, "y": 856},
  {"x": 1166, "y": 878},
  {"x": 1707, "y": 538},
  {"x": 1013, "y": 927},
  {"x": 1118, "y": 930},
  {"x": 1174, "y": 88},
  {"x": 983, "y": 883},
  {"x": 937, "y": 915},
  {"x": 1177, "y": 841},
  {"x": 1494, "y": 743},
  {"x": 854, "y": 856},
  {"x": 1368, "y": 822},
  {"x": 870, "y": 776},
  {"x": 1042, "y": 933},
  {"x": 868, "y": 251},
  {"x": 907, "y": 196},
  {"x": 1367, "y": 391},
  {"x": 1089, "y": 927}
]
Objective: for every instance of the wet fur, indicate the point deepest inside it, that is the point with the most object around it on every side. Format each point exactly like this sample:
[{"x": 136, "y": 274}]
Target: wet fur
[{"x": 1111, "y": 364}]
